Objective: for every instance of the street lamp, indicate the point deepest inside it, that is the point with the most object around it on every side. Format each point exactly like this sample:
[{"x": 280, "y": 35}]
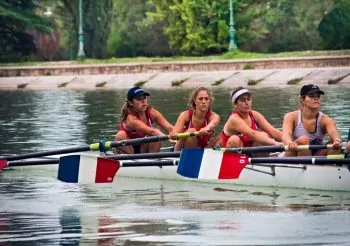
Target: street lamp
[
  {"x": 81, "y": 54},
  {"x": 232, "y": 45}
]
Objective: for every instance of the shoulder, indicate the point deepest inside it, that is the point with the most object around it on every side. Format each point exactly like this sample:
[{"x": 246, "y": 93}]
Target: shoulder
[
  {"x": 325, "y": 118},
  {"x": 185, "y": 114},
  {"x": 292, "y": 115},
  {"x": 234, "y": 117}
]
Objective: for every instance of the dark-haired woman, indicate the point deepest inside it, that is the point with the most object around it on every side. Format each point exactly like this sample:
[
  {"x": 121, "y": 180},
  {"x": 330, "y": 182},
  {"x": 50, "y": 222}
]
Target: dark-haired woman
[
  {"x": 246, "y": 127},
  {"x": 136, "y": 121}
]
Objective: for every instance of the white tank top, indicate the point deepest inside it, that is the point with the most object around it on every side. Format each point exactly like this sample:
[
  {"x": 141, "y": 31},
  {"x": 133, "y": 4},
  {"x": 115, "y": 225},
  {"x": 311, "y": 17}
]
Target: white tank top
[{"x": 315, "y": 137}]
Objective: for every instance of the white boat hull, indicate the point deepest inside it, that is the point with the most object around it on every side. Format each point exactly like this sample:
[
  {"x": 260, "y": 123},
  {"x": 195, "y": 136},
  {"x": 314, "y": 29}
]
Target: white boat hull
[
  {"x": 312, "y": 177},
  {"x": 320, "y": 177}
]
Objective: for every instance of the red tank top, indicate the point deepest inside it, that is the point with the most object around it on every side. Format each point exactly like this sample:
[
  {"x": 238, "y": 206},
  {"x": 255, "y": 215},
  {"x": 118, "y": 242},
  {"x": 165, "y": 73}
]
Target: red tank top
[
  {"x": 132, "y": 134},
  {"x": 247, "y": 142},
  {"x": 202, "y": 141}
]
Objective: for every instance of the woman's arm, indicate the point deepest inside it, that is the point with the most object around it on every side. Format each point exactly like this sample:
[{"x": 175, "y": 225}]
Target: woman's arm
[
  {"x": 214, "y": 121},
  {"x": 236, "y": 124},
  {"x": 287, "y": 128},
  {"x": 181, "y": 121},
  {"x": 332, "y": 131},
  {"x": 132, "y": 122},
  {"x": 161, "y": 121},
  {"x": 267, "y": 127}
]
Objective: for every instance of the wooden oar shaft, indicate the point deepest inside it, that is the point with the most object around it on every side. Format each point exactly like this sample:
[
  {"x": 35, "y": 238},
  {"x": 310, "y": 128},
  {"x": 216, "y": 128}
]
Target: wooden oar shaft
[
  {"x": 144, "y": 156},
  {"x": 149, "y": 163},
  {"x": 46, "y": 153},
  {"x": 124, "y": 164},
  {"x": 273, "y": 148},
  {"x": 97, "y": 146},
  {"x": 33, "y": 162}
]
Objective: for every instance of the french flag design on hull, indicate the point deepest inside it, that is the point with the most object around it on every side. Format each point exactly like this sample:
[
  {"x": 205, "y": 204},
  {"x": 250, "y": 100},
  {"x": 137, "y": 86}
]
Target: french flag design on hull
[
  {"x": 210, "y": 164},
  {"x": 86, "y": 169}
]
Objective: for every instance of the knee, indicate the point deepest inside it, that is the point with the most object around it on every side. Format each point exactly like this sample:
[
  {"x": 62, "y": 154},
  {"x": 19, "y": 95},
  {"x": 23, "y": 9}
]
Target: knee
[
  {"x": 234, "y": 142},
  {"x": 303, "y": 140},
  {"x": 121, "y": 135}
]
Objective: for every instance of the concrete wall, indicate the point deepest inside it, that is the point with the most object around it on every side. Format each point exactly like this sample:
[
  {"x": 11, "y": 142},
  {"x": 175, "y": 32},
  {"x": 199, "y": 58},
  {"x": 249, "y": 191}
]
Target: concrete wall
[{"x": 332, "y": 71}]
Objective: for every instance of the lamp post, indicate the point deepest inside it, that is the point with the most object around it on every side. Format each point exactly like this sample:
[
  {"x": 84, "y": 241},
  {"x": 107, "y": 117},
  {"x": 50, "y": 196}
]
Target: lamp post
[
  {"x": 81, "y": 53},
  {"x": 232, "y": 45}
]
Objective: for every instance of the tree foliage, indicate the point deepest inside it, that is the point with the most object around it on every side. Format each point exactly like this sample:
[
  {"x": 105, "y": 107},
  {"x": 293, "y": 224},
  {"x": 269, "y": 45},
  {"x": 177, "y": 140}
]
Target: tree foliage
[
  {"x": 127, "y": 28},
  {"x": 335, "y": 29},
  {"x": 132, "y": 34},
  {"x": 16, "y": 17}
]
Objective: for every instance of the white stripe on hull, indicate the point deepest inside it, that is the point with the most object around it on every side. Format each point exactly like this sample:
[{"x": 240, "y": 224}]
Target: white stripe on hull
[{"x": 314, "y": 177}]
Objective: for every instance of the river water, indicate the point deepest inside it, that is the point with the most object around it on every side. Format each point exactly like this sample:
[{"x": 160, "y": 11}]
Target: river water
[{"x": 36, "y": 209}]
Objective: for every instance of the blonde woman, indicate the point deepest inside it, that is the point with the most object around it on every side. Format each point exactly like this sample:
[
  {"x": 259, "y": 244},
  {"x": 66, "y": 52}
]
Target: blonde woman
[{"x": 199, "y": 117}]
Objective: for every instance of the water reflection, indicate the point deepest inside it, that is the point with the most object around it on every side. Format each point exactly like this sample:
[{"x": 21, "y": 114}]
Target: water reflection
[
  {"x": 36, "y": 209},
  {"x": 70, "y": 227}
]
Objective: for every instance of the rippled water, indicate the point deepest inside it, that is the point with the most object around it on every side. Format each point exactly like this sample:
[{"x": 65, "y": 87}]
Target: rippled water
[{"x": 36, "y": 209}]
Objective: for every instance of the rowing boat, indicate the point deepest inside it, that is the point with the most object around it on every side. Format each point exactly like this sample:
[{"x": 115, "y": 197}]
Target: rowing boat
[{"x": 304, "y": 176}]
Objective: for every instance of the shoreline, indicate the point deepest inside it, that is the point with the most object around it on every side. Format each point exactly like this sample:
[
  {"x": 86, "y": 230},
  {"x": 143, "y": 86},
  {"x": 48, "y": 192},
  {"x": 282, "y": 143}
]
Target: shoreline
[{"x": 281, "y": 72}]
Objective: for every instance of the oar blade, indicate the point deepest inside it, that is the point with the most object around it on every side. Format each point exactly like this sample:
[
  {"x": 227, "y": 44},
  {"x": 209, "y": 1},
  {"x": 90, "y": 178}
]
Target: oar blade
[
  {"x": 86, "y": 169},
  {"x": 3, "y": 164},
  {"x": 210, "y": 164}
]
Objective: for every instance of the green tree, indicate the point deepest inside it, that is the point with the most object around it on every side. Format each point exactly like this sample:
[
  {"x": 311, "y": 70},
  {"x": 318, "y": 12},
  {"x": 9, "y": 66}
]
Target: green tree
[
  {"x": 16, "y": 17},
  {"x": 335, "y": 28},
  {"x": 132, "y": 34},
  {"x": 193, "y": 27}
]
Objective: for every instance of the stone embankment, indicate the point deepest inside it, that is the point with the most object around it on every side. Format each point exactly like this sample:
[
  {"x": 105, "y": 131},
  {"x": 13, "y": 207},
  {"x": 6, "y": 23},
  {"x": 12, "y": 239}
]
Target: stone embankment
[{"x": 333, "y": 71}]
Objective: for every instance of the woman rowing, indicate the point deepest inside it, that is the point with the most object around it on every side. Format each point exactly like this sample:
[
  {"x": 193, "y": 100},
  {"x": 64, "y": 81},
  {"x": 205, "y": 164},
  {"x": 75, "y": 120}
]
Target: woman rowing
[
  {"x": 308, "y": 125},
  {"x": 199, "y": 118},
  {"x": 136, "y": 121},
  {"x": 246, "y": 127}
]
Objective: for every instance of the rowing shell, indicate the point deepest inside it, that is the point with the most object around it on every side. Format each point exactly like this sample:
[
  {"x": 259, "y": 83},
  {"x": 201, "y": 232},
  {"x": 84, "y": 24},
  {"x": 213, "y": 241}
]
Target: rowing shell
[{"x": 320, "y": 177}]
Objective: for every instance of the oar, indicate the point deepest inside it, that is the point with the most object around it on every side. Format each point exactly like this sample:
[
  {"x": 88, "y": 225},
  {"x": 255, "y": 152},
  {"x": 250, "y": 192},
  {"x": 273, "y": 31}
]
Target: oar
[
  {"x": 273, "y": 148},
  {"x": 102, "y": 146},
  {"x": 212, "y": 164},
  {"x": 48, "y": 161}
]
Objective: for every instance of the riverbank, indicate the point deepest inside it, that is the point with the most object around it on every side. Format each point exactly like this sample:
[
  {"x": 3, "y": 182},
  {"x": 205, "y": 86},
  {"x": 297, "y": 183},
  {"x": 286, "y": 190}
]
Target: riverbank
[{"x": 328, "y": 70}]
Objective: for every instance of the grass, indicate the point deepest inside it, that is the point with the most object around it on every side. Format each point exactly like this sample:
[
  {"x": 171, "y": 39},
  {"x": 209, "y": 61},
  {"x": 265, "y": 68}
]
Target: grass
[
  {"x": 232, "y": 55},
  {"x": 254, "y": 81},
  {"x": 64, "y": 84},
  {"x": 337, "y": 80},
  {"x": 218, "y": 82},
  {"x": 248, "y": 67},
  {"x": 140, "y": 83},
  {"x": 22, "y": 86},
  {"x": 101, "y": 84},
  {"x": 178, "y": 82},
  {"x": 294, "y": 81}
]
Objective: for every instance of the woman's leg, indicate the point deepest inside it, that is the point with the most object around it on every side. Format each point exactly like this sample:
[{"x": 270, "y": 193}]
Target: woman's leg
[{"x": 121, "y": 135}]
